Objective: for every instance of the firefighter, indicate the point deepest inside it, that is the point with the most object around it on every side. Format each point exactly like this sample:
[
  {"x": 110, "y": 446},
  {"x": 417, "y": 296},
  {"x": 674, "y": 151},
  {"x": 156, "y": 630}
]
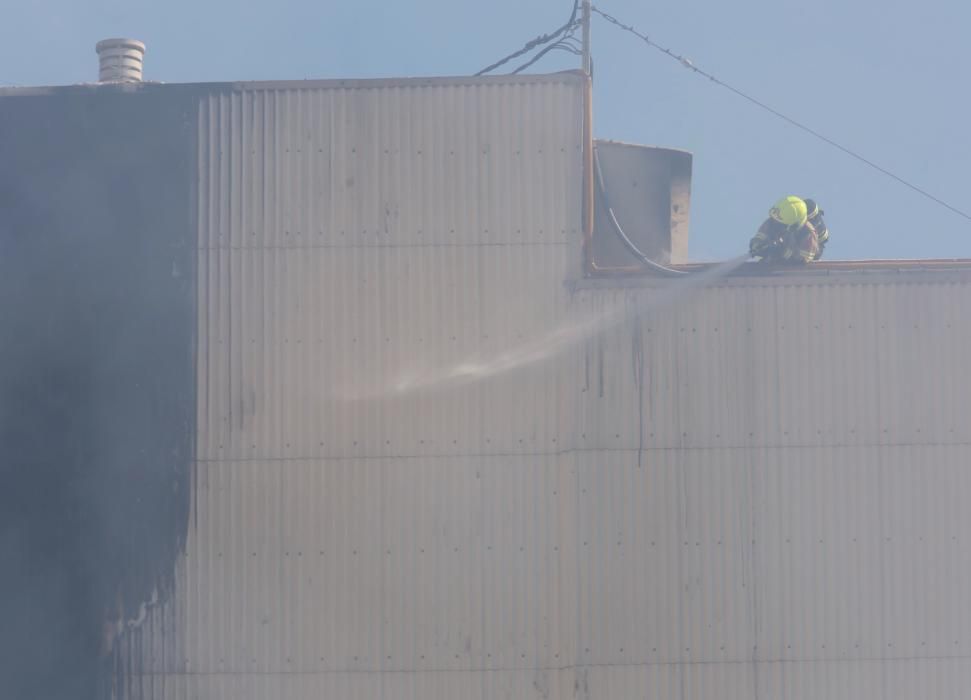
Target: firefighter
[{"x": 794, "y": 233}]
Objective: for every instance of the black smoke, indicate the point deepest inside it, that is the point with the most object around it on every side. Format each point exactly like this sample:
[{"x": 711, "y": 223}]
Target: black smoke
[{"x": 97, "y": 401}]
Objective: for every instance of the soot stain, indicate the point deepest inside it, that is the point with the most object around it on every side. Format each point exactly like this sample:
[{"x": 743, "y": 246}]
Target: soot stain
[{"x": 96, "y": 378}]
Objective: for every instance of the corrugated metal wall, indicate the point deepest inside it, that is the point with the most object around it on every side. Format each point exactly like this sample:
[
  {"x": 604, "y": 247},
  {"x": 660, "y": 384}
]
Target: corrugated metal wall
[
  {"x": 350, "y": 236},
  {"x": 773, "y": 484},
  {"x": 757, "y": 494}
]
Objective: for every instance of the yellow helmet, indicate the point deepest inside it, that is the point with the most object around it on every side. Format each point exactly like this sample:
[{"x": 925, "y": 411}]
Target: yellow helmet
[{"x": 790, "y": 211}]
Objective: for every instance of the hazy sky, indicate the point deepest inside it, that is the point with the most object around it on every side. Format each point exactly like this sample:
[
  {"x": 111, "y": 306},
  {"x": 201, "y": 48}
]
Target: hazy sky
[{"x": 889, "y": 79}]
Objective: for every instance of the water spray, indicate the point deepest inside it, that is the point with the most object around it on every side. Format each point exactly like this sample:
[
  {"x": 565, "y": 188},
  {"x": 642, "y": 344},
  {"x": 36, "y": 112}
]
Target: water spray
[{"x": 543, "y": 347}]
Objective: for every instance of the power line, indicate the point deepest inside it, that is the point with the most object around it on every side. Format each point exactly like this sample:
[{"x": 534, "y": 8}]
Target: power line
[
  {"x": 686, "y": 62},
  {"x": 538, "y": 41},
  {"x": 561, "y": 44}
]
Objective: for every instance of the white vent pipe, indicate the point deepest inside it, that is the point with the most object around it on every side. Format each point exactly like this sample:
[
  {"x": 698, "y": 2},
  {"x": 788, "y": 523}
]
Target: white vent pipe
[{"x": 121, "y": 60}]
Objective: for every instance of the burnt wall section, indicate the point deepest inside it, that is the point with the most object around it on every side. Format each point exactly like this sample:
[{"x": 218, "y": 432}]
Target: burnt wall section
[
  {"x": 97, "y": 404},
  {"x": 649, "y": 190}
]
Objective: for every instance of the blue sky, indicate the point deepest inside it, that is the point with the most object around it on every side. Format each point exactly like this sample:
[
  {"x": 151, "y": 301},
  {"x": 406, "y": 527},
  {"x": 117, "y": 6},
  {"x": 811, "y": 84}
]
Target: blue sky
[{"x": 889, "y": 79}]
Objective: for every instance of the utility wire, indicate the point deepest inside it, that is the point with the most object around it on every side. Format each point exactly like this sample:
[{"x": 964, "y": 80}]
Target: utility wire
[
  {"x": 569, "y": 49},
  {"x": 558, "y": 45},
  {"x": 538, "y": 41},
  {"x": 686, "y": 62}
]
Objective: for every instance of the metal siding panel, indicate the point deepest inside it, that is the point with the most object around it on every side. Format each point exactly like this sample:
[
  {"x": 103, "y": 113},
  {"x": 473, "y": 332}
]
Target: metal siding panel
[
  {"x": 264, "y": 405},
  {"x": 305, "y": 548},
  {"x": 839, "y": 568},
  {"x": 396, "y": 166},
  {"x": 443, "y": 685},
  {"x": 788, "y": 365},
  {"x": 381, "y": 565}
]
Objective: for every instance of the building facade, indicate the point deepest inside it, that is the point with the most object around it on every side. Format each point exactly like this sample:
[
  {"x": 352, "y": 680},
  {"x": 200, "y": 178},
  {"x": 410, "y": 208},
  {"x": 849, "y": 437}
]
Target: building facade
[{"x": 423, "y": 467}]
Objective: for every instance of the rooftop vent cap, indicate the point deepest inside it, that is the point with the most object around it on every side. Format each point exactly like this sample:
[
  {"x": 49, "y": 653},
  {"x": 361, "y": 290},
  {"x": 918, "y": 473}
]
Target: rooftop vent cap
[{"x": 121, "y": 60}]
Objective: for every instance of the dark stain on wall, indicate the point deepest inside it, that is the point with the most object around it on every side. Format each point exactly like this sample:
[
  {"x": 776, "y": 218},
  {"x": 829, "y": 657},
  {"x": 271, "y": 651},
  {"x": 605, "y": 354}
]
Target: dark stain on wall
[{"x": 97, "y": 386}]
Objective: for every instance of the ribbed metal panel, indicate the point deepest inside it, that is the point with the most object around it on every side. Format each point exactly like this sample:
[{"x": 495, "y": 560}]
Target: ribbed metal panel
[
  {"x": 391, "y": 565},
  {"x": 756, "y": 364},
  {"x": 301, "y": 350},
  {"x": 773, "y": 488},
  {"x": 348, "y": 542},
  {"x": 353, "y": 237},
  {"x": 757, "y": 493},
  {"x": 466, "y": 162}
]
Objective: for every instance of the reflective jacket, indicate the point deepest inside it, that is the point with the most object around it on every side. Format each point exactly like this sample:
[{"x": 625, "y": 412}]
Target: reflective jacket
[{"x": 778, "y": 243}]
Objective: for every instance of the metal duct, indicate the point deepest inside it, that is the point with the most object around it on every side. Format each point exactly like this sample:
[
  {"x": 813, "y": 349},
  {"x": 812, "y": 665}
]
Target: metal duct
[{"x": 120, "y": 60}]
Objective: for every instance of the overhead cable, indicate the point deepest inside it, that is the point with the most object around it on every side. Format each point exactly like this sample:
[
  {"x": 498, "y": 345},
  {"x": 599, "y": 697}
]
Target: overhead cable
[
  {"x": 558, "y": 45},
  {"x": 686, "y": 62},
  {"x": 541, "y": 40}
]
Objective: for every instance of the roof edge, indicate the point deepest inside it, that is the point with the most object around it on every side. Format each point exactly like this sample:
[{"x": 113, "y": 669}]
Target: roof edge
[
  {"x": 571, "y": 77},
  {"x": 645, "y": 146},
  {"x": 933, "y": 271}
]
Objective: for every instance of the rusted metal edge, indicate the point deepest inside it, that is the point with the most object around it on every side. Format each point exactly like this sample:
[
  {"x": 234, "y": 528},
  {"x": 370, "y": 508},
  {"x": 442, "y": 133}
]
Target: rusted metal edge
[{"x": 942, "y": 270}]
